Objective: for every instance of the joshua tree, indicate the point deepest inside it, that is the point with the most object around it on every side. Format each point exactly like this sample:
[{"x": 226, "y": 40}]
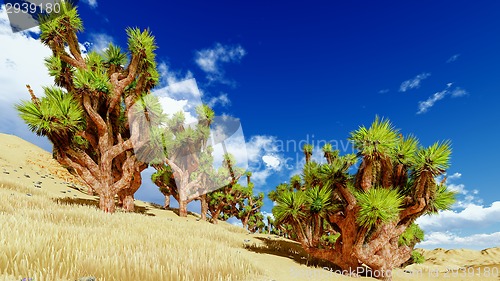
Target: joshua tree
[
  {"x": 270, "y": 224},
  {"x": 88, "y": 114},
  {"x": 329, "y": 153},
  {"x": 222, "y": 202},
  {"x": 247, "y": 207},
  {"x": 179, "y": 172},
  {"x": 366, "y": 218},
  {"x": 308, "y": 150}
]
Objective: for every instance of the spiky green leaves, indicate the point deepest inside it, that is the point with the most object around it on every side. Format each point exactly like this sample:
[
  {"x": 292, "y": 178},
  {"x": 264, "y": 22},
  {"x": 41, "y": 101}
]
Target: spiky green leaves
[
  {"x": 141, "y": 41},
  {"x": 417, "y": 257},
  {"x": 443, "y": 199},
  {"x": 59, "y": 25},
  {"x": 406, "y": 149},
  {"x": 205, "y": 113},
  {"x": 411, "y": 236},
  {"x": 319, "y": 201},
  {"x": 379, "y": 139},
  {"x": 54, "y": 65},
  {"x": 289, "y": 207},
  {"x": 378, "y": 205},
  {"x": 434, "y": 159},
  {"x": 95, "y": 78},
  {"x": 142, "y": 46},
  {"x": 55, "y": 115},
  {"x": 91, "y": 81},
  {"x": 307, "y": 148},
  {"x": 113, "y": 55}
]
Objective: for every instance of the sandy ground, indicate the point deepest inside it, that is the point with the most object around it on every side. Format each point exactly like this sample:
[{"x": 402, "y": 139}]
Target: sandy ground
[{"x": 32, "y": 166}]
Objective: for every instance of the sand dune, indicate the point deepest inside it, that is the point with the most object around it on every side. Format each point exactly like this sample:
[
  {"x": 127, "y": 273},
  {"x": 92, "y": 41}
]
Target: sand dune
[{"x": 34, "y": 169}]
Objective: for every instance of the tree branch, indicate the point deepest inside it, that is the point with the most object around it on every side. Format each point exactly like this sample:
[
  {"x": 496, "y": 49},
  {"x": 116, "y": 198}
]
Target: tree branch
[
  {"x": 96, "y": 118},
  {"x": 128, "y": 168}
]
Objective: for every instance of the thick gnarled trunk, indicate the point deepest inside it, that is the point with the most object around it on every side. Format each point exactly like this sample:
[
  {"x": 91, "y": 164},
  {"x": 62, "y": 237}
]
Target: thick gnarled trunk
[
  {"x": 107, "y": 202},
  {"x": 183, "y": 208}
]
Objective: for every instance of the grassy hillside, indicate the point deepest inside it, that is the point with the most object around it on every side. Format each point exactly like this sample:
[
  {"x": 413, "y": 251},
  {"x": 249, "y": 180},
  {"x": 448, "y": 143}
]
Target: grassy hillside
[{"x": 51, "y": 241}]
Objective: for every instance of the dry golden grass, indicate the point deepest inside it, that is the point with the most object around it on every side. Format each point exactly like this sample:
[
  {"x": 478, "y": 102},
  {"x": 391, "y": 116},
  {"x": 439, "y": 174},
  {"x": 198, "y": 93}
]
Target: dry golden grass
[{"x": 48, "y": 242}]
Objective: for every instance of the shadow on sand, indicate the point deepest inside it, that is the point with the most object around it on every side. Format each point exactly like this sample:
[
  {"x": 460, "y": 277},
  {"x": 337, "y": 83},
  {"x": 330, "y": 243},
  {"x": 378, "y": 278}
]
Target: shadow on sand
[
  {"x": 289, "y": 249},
  {"x": 95, "y": 203}
]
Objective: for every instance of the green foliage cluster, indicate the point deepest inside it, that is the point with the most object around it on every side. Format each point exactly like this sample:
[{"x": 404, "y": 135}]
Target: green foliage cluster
[{"x": 394, "y": 184}]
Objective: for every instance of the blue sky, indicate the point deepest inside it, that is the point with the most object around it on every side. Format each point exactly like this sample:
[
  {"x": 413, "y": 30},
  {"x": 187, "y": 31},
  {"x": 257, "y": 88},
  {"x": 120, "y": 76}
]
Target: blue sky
[{"x": 316, "y": 70}]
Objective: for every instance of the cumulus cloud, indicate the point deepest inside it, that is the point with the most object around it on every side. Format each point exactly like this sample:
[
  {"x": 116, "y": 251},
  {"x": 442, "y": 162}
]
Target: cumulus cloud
[
  {"x": 472, "y": 216},
  {"x": 413, "y": 83},
  {"x": 453, "y": 58},
  {"x": 424, "y": 106},
  {"x": 465, "y": 197},
  {"x": 221, "y": 99},
  {"x": 459, "y": 92},
  {"x": 271, "y": 161},
  {"x": 91, "y": 3},
  {"x": 211, "y": 60},
  {"x": 260, "y": 152},
  {"x": 21, "y": 63},
  {"x": 455, "y": 176},
  {"x": 260, "y": 177},
  {"x": 178, "y": 92},
  {"x": 99, "y": 42},
  {"x": 451, "y": 240}
]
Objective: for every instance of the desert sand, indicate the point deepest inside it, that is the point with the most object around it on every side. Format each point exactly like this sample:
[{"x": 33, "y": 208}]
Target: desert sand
[{"x": 274, "y": 257}]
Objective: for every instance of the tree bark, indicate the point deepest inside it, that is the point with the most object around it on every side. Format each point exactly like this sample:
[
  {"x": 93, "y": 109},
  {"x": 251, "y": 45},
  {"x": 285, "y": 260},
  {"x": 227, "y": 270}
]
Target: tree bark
[
  {"x": 107, "y": 202},
  {"x": 126, "y": 199},
  {"x": 167, "y": 202},
  {"x": 183, "y": 208},
  {"x": 204, "y": 207}
]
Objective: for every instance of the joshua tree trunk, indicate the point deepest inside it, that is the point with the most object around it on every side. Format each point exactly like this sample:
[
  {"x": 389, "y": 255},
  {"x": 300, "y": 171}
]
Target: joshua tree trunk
[
  {"x": 107, "y": 202},
  {"x": 183, "y": 208},
  {"x": 204, "y": 207},
  {"x": 185, "y": 187},
  {"x": 244, "y": 222},
  {"x": 126, "y": 195},
  {"x": 167, "y": 202},
  {"x": 126, "y": 199}
]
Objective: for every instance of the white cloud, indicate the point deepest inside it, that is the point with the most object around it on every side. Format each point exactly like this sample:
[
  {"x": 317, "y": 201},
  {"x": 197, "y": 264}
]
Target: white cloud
[
  {"x": 21, "y": 63},
  {"x": 458, "y": 188},
  {"x": 455, "y": 176},
  {"x": 99, "y": 42},
  {"x": 222, "y": 99},
  {"x": 211, "y": 60},
  {"x": 472, "y": 216},
  {"x": 465, "y": 197},
  {"x": 180, "y": 93},
  {"x": 260, "y": 153},
  {"x": 271, "y": 161},
  {"x": 459, "y": 92},
  {"x": 260, "y": 177},
  {"x": 448, "y": 239},
  {"x": 453, "y": 58},
  {"x": 384, "y": 91},
  {"x": 91, "y": 3},
  {"x": 424, "y": 106},
  {"x": 413, "y": 83}
]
